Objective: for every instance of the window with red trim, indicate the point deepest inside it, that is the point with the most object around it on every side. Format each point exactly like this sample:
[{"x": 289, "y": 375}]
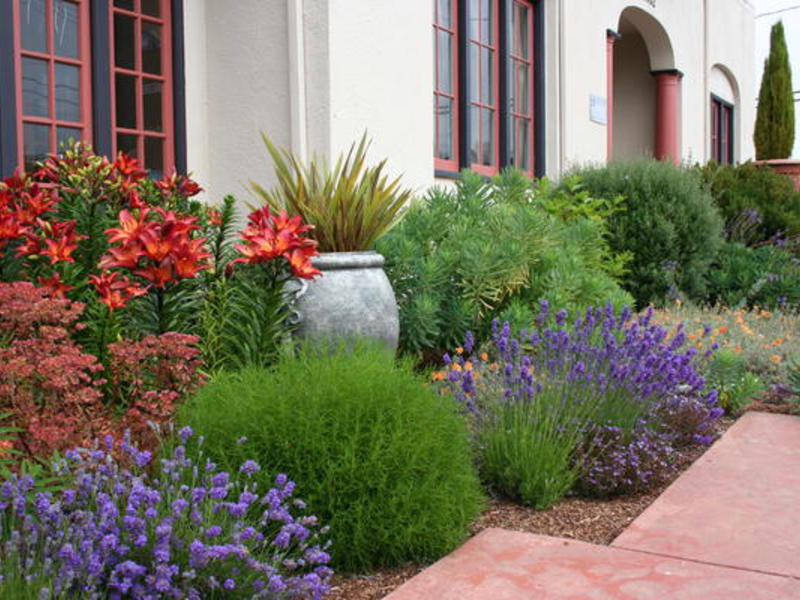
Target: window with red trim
[
  {"x": 484, "y": 108},
  {"x": 721, "y": 131},
  {"x": 141, "y": 87},
  {"x": 53, "y": 78},
  {"x": 520, "y": 98},
  {"x": 445, "y": 88},
  {"x": 484, "y": 90}
]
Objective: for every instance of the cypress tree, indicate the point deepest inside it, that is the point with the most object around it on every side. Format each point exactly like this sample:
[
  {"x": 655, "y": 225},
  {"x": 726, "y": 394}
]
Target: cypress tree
[{"x": 774, "y": 133}]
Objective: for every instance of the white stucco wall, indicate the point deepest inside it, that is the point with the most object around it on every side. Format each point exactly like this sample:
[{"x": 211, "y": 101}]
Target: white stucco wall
[
  {"x": 371, "y": 70},
  {"x": 381, "y": 77},
  {"x": 634, "y": 99},
  {"x": 702, "y": 33},
  {"x": 237, "y": 86}
]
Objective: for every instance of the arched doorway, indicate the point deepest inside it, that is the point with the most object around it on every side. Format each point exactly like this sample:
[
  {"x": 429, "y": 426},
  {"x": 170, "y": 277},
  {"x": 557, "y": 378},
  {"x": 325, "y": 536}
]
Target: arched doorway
[{"x": 646, "y": 90}]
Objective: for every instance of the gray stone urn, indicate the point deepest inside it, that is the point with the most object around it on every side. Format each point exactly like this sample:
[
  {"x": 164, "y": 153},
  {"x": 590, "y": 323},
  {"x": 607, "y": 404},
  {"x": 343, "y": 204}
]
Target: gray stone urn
[{"x": 352, "y": 299}]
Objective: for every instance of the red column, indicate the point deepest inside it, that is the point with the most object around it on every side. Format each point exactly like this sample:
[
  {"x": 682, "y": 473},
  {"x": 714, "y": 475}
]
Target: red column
[
  {"x": 611, "y": 37},
  {"x": 668, "y": 109}
]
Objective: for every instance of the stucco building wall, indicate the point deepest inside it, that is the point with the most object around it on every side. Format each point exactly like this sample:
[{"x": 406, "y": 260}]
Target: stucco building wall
[{"x": 315, "y": 74}]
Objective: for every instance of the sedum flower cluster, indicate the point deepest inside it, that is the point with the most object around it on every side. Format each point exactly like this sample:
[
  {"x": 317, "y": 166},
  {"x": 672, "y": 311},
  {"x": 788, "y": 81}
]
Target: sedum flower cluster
[
  {"x": 123, "y": 528},
  {"x": 628, "y": 385}
]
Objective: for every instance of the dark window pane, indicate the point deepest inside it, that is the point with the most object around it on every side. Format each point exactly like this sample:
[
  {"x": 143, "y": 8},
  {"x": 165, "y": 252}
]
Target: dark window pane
[
  {"x": 520, "y": 45},
  {"x": 487, "y": 76},
  {"x": 32, "y": 22},
  {"x": 444, "y": 118},
  {"x": 126, "y": 143},
  {"x": 35, "y": 88},
  {"x": 520, "y": 100},
  {"x": 445, "y": 13},
  {"x": 154, "y": 156},
  {"x": 151, "y": 47},
  {"x": 474, "y": 73},
  {"x": 65, "y": 28},
  {"x": 68, "y": 93},
  {"x": 124, "y": 41},
  {"x": 474, "y": 20},
  {"x": 151, "y": 94},
  {"x": 444, "y": 54},
  {"x": 487, "y": 136},
  {"x": 126, "y": 4},
  {"x": 66, "y": 135},
  {"x": 522, "y": 144},
  {"x": 36, "y": 143},
  {"x": 125, "y": 98},
  {"x": 151, "y": 7},
  {"x": 474, "y": 134},
  {"x": 487, "y": 22}
]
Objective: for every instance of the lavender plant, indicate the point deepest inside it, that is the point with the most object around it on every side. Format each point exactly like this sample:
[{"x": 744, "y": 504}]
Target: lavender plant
[
  {"x": 125, "y": 528},
  {"x": 595, "y": 405}
]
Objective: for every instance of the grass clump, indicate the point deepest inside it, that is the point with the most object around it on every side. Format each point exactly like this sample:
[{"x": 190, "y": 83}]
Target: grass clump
[{"x": 377, "y": 455}]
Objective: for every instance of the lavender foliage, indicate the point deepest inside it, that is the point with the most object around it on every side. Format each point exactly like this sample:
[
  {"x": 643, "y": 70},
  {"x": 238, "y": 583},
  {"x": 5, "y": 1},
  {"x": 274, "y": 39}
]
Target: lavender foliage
[
  {"x": 124, "y": 528},
  {"x": 623, "y": 391}
]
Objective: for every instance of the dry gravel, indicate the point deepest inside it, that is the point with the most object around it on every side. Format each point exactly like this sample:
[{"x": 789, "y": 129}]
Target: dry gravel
[{"x": 594, "y": 521}]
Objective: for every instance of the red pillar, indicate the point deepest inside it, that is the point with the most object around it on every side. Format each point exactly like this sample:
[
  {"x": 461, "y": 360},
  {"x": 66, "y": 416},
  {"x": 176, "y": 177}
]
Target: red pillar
[
  {"x": 668, "y": 109},
  {"x": 611, "y": 37}
]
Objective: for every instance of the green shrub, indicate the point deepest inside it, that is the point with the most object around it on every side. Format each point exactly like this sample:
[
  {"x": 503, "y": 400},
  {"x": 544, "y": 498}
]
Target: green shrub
[
  {"x": 669, "y": 225},
  {"x": 738, "y": 190},
  {"x": 374, "y": 451},
  {"x": 727, "y": 373},
  {"x": 766, "y": 276},
  {"x": 490, "y": 249}
]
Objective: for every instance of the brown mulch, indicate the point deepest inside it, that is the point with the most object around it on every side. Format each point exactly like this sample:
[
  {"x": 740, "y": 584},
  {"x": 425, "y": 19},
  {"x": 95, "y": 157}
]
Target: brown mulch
[
  {"x": 777, "y": 401},
  {"x": 593, "y": 521}
]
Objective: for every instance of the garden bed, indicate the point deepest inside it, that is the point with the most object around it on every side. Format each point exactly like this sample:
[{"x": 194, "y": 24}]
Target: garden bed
[{"x": 589, "y": 520}]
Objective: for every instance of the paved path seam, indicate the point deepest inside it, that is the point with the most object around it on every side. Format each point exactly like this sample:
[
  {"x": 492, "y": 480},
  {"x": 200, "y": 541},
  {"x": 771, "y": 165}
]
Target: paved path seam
[{"x": 704, "y": 562}]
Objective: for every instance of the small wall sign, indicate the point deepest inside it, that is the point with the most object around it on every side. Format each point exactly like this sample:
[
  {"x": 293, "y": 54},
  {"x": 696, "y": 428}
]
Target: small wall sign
[{"x": 598, "y": 109}]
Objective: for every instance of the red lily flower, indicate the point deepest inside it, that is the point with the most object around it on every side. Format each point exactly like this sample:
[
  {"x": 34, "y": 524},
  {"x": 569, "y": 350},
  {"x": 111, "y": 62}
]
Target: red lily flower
[
  {"x": 300, "y": 263},
  {"x": 126, "y": 256},
  {"x": 128, "y": 167},
  {"x": 57, "y": 287},
  {"x": 115, "y": 291},
  {"x": 130, "y": 227}
]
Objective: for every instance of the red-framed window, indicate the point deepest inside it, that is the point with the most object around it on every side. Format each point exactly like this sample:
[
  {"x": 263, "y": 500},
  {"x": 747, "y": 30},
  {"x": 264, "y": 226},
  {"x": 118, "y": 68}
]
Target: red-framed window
[
  {"x": 53, "y": 77},
  {"x": 141, "y": 82},
  {"x": 520, "y": 86},
  {"x": 445, "y": 86},
  {"x": 721, "y": 131},
  {"x": 484, "y": 86}
]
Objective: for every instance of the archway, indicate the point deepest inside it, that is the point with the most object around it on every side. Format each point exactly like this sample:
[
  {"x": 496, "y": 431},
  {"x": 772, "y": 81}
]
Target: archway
[{"x": 645, "y": 90}]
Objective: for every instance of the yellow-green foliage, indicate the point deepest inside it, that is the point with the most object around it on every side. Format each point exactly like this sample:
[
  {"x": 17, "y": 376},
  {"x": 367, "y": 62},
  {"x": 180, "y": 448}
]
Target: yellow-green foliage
[{"x": 491, "y": 249}]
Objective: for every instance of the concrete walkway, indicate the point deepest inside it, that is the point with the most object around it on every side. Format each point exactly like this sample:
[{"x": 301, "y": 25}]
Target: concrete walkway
[{"x": 728, "y": 528}]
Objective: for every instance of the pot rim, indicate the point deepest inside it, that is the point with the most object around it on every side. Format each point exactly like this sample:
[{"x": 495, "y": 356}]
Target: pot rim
[{"x": 334, "y": 261}]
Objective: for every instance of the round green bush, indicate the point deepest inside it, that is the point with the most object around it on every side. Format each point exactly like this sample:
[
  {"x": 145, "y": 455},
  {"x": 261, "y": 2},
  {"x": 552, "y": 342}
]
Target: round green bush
[
  {"x": 376, "y": 454},
  {"x": 748, "y": 186},
  {"x": 670, "y": 225}
]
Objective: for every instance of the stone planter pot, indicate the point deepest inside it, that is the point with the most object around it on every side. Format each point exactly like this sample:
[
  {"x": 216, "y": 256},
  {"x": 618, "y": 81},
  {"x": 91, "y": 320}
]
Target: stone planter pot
[{"x": 352, "y": 299}]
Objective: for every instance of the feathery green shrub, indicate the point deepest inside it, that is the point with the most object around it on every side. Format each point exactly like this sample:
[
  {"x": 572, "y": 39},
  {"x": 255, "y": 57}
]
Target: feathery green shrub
[
  {"x": 670, "y": 226},
  {"x": 491, "y": 249},
  {"x": 738, "y": 190},
  {"x": 767, "y": 276},
  {"x": 374, "y": 451}
]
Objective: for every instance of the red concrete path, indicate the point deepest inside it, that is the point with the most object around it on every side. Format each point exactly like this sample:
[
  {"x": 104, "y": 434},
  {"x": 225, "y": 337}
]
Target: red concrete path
[
  {"x": 738, "y": 505},
  {"x": 728, "y": 528},
  {"x": 508, "y": 565}
]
